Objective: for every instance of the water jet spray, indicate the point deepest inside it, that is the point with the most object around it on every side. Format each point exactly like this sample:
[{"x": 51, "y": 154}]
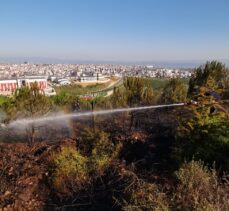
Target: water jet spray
[{"x": 40, "y": 120}]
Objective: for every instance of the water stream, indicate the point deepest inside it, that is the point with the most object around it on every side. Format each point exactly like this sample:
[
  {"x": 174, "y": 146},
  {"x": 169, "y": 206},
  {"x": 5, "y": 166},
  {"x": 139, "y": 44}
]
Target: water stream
[{"x": 63, "y": 117}]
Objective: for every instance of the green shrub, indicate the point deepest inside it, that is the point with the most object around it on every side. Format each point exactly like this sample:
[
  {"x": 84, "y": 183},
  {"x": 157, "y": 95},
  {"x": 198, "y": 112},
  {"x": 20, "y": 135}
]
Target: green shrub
[
  {"x": 98, "y": 148},
  {"x": 209, "y": 143},
  {"x": 70, "y": 171},
  {"x": 74, "y": 169},
  {"x": 203, "y": 133},
  {"x": 104, "y": 152}
]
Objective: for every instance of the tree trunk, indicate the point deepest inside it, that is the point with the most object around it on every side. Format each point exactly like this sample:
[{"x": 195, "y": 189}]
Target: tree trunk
[
  {"x": 32, "y": 134},
  {"x": 93, "y": 116}
]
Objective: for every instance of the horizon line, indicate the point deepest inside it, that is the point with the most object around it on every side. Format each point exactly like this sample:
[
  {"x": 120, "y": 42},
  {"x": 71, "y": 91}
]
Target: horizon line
[{"x": 51, "y": 60}]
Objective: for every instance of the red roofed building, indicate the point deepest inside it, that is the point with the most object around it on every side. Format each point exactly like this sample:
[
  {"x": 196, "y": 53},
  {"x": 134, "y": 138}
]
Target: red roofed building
[{"x": 7, "y": 86}]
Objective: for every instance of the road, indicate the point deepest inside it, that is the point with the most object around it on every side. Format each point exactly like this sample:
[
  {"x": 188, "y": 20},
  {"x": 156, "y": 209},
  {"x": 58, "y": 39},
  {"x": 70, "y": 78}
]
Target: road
[{"x": 109, "y": 89}]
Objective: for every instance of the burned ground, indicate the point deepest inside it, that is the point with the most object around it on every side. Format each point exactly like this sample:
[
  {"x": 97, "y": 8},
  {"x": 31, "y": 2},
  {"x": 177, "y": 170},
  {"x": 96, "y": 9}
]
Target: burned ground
[
  {"x": 143, "y": 162},
  {"x": 25, "y": 171}
]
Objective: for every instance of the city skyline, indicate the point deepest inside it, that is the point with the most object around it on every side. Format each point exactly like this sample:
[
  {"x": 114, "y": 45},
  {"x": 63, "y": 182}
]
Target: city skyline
[{"x": 115, "y": 31}]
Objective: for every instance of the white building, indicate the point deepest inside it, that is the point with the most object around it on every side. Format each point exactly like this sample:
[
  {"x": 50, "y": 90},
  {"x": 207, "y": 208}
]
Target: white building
[
  {"x": 91, "y": 77},
  {"x": 63, "y": 81},
  {"x": 7, "y": 86}
]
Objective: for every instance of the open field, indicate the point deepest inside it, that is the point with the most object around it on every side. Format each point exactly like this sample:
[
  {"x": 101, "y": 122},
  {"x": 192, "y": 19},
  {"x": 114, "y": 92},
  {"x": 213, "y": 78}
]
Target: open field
[
  {"x": 89, "y": 88},
  {"x": 159, "y": 83},
  {"x": 76, "y": 89}
]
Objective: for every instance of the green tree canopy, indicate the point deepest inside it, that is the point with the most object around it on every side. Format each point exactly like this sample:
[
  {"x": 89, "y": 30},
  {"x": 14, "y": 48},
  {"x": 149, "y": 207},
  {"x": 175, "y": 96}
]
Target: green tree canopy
[
  {"x": 175, "y": 91},
  {"x": 118, "y": 99},
  {"x": 138, "y": 91},
  {"x": 212, "y": 75},
  {"x": 203, "y": 133},
  {"x": 27, "y": 102}
]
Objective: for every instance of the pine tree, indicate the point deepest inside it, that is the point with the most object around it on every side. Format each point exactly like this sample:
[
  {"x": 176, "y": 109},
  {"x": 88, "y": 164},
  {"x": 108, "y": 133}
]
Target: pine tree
[{"x": 174, "y": 92}]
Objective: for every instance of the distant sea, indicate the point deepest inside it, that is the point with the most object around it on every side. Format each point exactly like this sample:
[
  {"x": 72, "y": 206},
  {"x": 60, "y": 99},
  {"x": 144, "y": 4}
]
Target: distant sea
[{"x": 43, "y": 60}]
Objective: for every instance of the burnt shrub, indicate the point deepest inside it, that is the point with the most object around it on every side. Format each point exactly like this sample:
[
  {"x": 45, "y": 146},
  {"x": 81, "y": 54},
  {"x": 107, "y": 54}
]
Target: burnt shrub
[{"x": 200, "y": 189}]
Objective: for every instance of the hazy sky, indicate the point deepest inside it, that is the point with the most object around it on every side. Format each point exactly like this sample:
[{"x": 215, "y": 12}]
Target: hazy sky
[{"x": 115, "y": 30}]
